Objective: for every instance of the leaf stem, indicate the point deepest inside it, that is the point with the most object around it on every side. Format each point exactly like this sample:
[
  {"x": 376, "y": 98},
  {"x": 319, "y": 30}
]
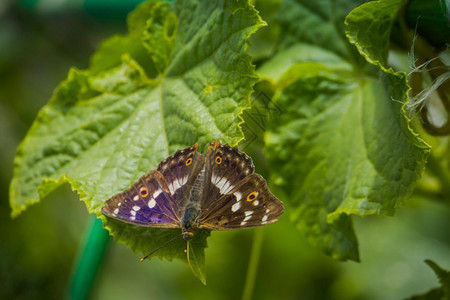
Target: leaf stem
[
  {"x": 90, "y": 256},
  {"x": 253, "y": 264}
]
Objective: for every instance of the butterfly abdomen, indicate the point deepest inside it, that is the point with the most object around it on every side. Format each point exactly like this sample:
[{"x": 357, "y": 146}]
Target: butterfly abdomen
[{"x": 189, "y": 221}]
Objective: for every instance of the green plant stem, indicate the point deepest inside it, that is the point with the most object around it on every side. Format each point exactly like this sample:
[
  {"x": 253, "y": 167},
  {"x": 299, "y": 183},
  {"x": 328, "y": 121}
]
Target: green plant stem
[
  {"x": 252, "y": 270},
  {"x": 90, "y": 257}
]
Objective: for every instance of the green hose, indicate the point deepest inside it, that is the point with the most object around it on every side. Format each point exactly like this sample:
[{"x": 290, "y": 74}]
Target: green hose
[{"x": 88, "y": 261}]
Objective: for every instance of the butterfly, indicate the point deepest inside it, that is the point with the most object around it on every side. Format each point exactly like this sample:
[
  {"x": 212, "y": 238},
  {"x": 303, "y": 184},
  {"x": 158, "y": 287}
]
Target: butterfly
[{"x": 190, "y": 190}]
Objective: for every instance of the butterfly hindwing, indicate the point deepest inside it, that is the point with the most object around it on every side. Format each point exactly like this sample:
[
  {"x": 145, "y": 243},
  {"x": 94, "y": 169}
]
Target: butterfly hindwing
[
  {"x": 249, "y": 204},
  {"x": 146, "y": 203}
]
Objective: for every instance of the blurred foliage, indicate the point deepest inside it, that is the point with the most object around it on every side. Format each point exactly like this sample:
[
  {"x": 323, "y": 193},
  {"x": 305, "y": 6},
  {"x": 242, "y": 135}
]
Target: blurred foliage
[
  {"x": 442, "y": 292},
  {"x": 38, "y": 250}
]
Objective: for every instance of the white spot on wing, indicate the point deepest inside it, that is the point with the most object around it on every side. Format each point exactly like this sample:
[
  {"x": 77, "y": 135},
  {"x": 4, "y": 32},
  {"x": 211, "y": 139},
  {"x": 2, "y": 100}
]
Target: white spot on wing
[
  {"x": 247, "y": 218},
  {"x": 176, "y": 184},
  {"x": 136, "y": 208},
  {"x": 182, "y": 181},
  {"x": 236, "y": 206},
  {"x": 133, "y": 218},
  {"x": 267, "y": 211},
  {"x": 116, "y": 211},
  {"x": 238, "y": 196},
  {"x": 220, "y": 183},
  {"x": 255, "y": 203},
  {"x": 151, "y": 203},
  {"x": 136, "y": 198},
  {"x": 243, "y": 223},
  {"x": 214, "y": 179},
  {"x": 156, "y": 193},
  {"x": 248, "y": 213},
  {"x": 223, "y": 185},
  {"x": 171, "y": 188},
  {"x": 264, "y": 219},
  {"x": 227, "y": 187}
]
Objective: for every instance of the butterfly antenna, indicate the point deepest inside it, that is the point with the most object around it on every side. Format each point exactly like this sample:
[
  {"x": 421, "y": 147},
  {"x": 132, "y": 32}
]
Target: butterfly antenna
[{"x": 166, "y": 243}]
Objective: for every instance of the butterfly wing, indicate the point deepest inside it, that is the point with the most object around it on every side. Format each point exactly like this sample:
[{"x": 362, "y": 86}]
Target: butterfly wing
[
  {"x": 147, "y": 203},
  {"x": 248, "y": 204},
  {"x": 225, "y": 168},
  {"x": 180, "y": 171}
]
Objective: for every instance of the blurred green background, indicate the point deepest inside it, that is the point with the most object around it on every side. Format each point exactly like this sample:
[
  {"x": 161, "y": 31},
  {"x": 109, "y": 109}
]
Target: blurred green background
[{"x": 39, "y": 42}]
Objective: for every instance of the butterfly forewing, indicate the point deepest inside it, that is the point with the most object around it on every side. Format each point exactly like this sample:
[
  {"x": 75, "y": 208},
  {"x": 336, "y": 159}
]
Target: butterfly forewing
[
  {"x": 225, "y": 168},
  {"x": 180, "y": 171},
  {"x": 147, "y": 203},
  {"x": 249, "y": 204}
]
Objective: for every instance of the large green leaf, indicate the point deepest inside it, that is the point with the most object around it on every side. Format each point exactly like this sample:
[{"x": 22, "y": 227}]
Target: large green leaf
[
  {"x": 180, "y": 76},
  {"x": 343, "y": 145},
  {"x": 342, "y": 148}
]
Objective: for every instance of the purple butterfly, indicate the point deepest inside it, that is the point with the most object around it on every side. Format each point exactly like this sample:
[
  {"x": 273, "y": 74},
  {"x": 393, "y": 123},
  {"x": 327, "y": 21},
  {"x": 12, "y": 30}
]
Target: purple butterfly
[{"x": 191, "y": 190}]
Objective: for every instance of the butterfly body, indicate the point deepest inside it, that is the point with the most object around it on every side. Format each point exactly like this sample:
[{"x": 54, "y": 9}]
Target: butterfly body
[
  {"x": 191, "y": 191},
  {"x": 189, "y": 221}
]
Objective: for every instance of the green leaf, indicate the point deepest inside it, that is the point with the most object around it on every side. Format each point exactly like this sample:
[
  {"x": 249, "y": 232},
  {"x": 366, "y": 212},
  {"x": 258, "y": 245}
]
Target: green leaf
[
  {"x": 107, "y": 126},
  {"x": 160, "y": 33},
  {"x": 318, "y": 24},
  {"x": 343, "y": 145},
  {"x": 342, "y": 148},
  {"x": 274, "y": 68},
  {"x": 443, "y": 292},
  {"x": 111, "y": 50},
  {"x": 443, "y": 275},
  {"x": 368, "y": 27},
  {"x": 196, "y": 256},
  {"x": 256, "y": 118},
  {"x": 264, "y": 41}
]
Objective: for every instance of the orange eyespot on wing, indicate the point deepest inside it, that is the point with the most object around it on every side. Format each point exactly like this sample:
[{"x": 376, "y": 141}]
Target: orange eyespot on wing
[
  {"x": 188, "y": 161},
  {"x": 143, "y": 192},
  {"x": 252, "y": 196},
  {"x": 218, "y": 160}
]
